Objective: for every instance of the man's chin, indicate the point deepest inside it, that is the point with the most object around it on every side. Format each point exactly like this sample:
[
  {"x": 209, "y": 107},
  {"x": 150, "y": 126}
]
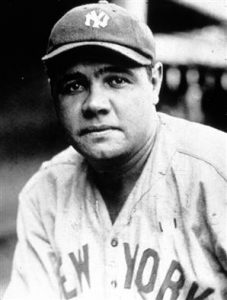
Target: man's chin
[
  {"x": 101, "y": 152},
  {"x": 99, "y": 148}
]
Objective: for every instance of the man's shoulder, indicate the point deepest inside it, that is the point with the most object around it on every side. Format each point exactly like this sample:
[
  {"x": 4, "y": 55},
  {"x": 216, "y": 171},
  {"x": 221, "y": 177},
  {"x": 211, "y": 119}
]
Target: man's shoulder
[
  {"x": 198, "y": 141},
  {"x": 59, "y": 168}
]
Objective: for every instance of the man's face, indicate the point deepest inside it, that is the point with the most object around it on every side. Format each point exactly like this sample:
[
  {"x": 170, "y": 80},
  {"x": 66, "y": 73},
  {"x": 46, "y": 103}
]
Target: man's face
[{"x": 107, "y": 109}]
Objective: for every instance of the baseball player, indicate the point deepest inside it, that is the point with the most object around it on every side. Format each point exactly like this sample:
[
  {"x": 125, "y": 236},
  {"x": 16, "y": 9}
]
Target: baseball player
[{"x": 135, "y": 208}]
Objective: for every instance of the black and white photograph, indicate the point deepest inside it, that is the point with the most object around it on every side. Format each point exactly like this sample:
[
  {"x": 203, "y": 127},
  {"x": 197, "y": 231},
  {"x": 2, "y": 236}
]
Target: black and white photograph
[{"x": 113, "y": 150}]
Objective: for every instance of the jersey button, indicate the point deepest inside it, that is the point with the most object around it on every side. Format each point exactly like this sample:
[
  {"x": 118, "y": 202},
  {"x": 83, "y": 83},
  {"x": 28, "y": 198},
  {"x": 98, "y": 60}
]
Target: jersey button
[
  {"x": 114, "y": 283},
  {"x": 114, "y": 242}
]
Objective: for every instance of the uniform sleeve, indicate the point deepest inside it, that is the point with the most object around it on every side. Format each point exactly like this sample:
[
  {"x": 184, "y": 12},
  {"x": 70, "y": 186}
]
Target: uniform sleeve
[
  {"x": 216, "y": 207},
  {"x": 35, "y": 265}
]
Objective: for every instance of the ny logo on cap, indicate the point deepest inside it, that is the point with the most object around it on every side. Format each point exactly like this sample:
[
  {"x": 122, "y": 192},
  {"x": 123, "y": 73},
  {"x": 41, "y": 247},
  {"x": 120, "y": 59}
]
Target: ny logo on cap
[{"x": 97, "y": 20}]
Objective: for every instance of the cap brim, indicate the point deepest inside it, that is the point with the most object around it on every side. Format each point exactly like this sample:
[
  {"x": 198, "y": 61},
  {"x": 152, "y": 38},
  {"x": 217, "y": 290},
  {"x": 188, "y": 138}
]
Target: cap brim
[{"x": 127, "y": 52}]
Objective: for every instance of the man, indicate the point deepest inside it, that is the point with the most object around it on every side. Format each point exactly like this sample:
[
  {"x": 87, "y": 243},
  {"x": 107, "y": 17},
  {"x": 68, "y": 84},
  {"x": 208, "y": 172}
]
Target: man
[{"x": 136, "y": 208}]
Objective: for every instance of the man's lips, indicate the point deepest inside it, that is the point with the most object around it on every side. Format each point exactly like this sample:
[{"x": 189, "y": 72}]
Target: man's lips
[{"x": 99, "y": 128}]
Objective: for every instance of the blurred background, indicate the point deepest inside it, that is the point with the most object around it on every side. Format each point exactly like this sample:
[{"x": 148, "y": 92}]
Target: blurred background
[{"x": 191, "y": 37}]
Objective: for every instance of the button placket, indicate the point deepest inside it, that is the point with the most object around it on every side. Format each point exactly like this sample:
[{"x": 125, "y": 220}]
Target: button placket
[{"x": 112, "y": 261}]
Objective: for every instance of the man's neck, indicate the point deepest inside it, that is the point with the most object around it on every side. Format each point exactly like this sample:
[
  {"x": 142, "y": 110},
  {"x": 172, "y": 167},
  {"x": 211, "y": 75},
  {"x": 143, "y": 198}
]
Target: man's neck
[{"x": 116, "y": 181}]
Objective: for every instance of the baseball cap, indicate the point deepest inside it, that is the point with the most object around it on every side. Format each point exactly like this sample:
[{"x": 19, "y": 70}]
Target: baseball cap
[{"x": 103, "y": 25}]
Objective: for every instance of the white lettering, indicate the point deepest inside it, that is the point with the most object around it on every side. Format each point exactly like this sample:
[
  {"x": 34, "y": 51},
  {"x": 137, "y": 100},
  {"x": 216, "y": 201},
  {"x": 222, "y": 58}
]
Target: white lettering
[{"x": 97, "y": 20}]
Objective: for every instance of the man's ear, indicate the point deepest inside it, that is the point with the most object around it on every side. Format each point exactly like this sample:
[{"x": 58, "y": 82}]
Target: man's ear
[{"x": 156, "y": 79}]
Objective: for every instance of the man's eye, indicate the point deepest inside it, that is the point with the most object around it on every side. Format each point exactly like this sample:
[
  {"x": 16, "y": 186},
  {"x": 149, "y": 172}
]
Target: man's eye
[
  {"x": 72, "y": 87},
  {"x": 118, "y": 81}
]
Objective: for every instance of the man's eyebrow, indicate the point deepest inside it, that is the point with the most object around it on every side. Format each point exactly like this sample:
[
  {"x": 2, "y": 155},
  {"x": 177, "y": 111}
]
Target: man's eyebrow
[
  {"x": 114, "y": 69},
  {"x": 107, "y": 69}
]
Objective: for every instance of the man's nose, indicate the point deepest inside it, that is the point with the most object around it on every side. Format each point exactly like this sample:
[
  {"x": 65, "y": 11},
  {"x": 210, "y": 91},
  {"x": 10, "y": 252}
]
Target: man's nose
[{"x": 96, "y": 103}]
